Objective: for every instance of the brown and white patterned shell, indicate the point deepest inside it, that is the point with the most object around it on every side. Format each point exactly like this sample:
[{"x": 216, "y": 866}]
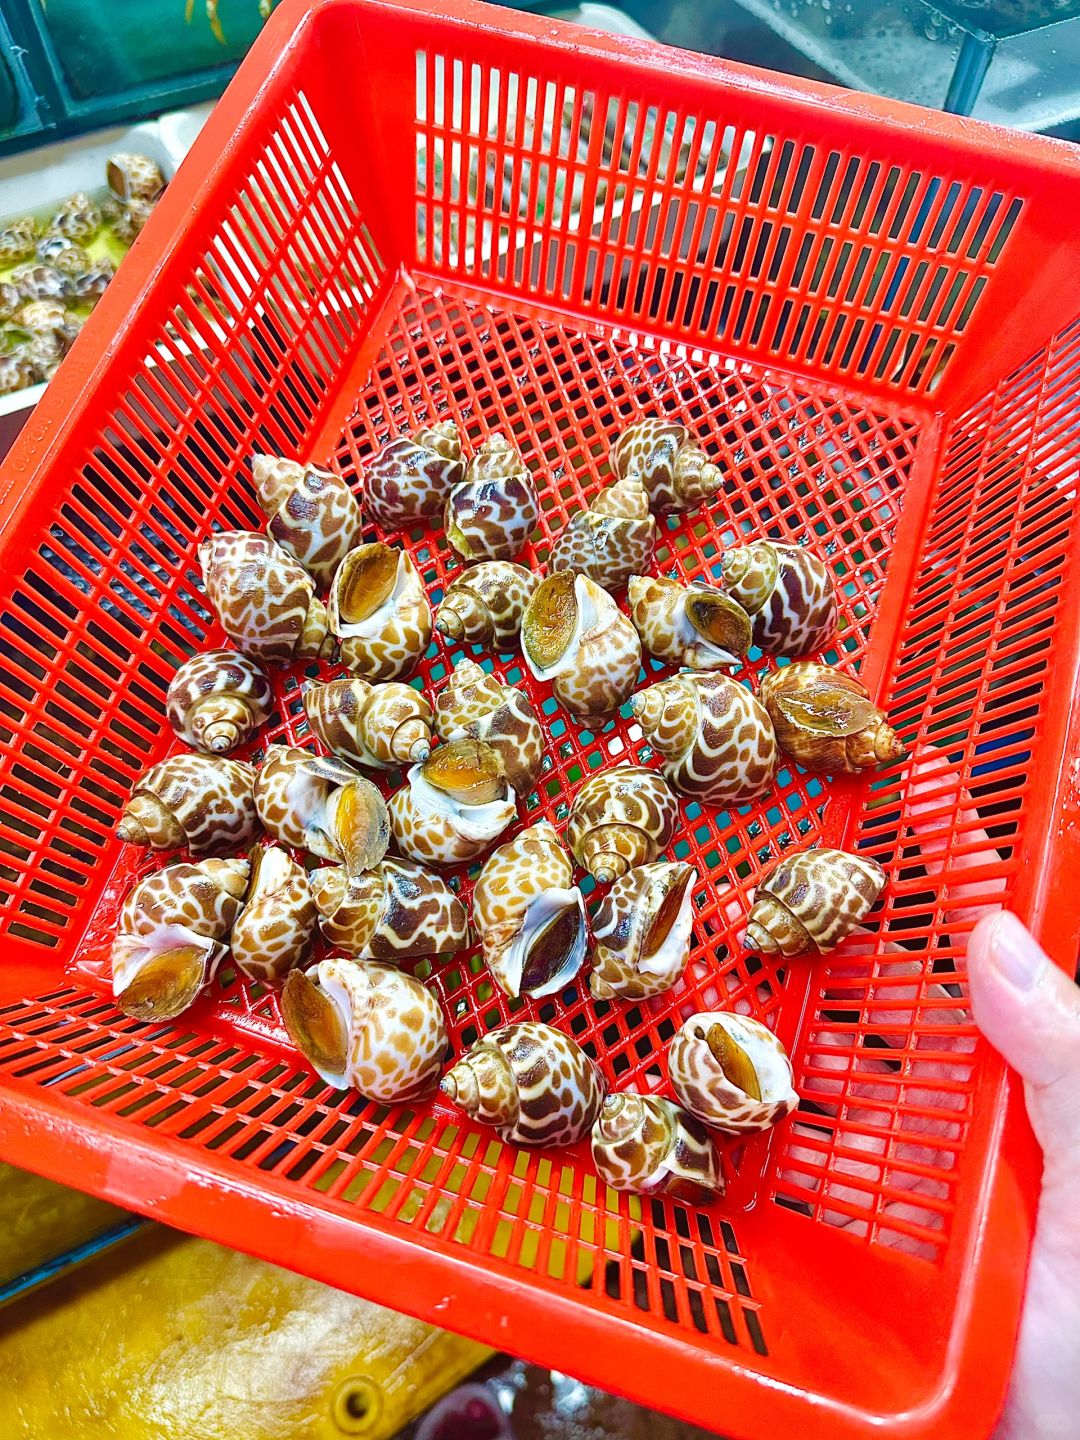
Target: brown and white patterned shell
[
  {"x": 715, "y": 740},
  {"x": 611, "y": 540},
  {"x": 493, "y": 510},
  {"x": 647, "y": 1145},
  {"x": 410, "y": 478},
  {"x": 217, "y": 700},
  {"x": 534, "y": 1084},
  {"x": 731, "y": 1072},
  {"x": 577, "y": 639},
  {"x": 394, "y": 912},
  {"x": 130, "y": 219},
  {"x": 18, "y": 239},
  {"x": 319, "y": 803},
  {"x": 275, "y": 929},
  {"x": 311, "y": 513},
  {"x": 693, "y": 625},
  {"x": 202, "y": 802},
  {"x": 620, "y": 818},
  {"x": 825, "y": 720},
  {"x": 529, "y": 915},
  {"x": 811, "y": 900},
  {"x": 367, "y": 1026},
  {"x": 474, "y": 705},
  {"x": 90, "y": 284},
  {"x": 78, "y": 218},
  {"x": 787, "y": 592},
  {"x": 17, "y": 370},
  {"x": 379, "y": 612},
  {"x": 264, "y": 598},
  {"x": 675, "y": 471},
  {"x": 381, "y": 726},
  {"x": 642, "y": 932},
  {"x": 10, "y": 300},
  {"x": 484, "y": 605},
  {"x": 454, "y": 805},
  {"x": 170, "y": 939},
  {"x": 67, "y": 256},
  {"x": 41, "y": 282},
  {"x": 131, "y": 176}
]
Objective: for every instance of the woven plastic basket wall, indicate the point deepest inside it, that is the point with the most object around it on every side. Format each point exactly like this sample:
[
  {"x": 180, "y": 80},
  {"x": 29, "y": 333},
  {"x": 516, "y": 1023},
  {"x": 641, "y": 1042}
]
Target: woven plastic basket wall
[{"x": 869, "y": 313}]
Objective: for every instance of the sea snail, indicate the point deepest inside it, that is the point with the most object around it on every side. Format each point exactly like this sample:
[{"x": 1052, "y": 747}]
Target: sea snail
[
  {"x": 172, "y": 935},
  {"x": 675, "y": 471},
  {"x": 453, "y": 806},
  {"x": 811, "y": 900},
  {"x": 788, "y": 594},
  {"x": 367, "y": 1026},
  {"x": 320, "y": 803},
  {"x": 477, "y": 706},
  {"x": 204, "y": 803},
  {"x": 131, "y": 176},
  {"x": 311, "y": 513},
  {"x": 410, "y": 477},
  {"x": 529, "y": 915},
  {"x": 620, "y": 818},
  {"x": 379, "y": 612},
  {"x": 492, "y": 511},
  {"x": 381, "y": 726},
  {"x": 275, "y": 928},
  {"x": 395, "y": 911},
  {"x": 217, "y": 700},
  {"x": 647, "y": 1145},
  {"x": 642, "y": 931},
  {"x": 826, "y": 722},
  {"x": 484, "y": 605},
  {"x": 731, "y": 1072},
  {"x": 715, "y": 740},
  {"x": 264, "y": 598},
  {"x": 575, "y": 637},
  {"x": 534, "y": 1084},
  {"x": 692, "y": 625},
  {"x": 611, "y": 540}
]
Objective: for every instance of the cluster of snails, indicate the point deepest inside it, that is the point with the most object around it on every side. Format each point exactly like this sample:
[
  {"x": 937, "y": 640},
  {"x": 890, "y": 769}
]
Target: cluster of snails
[
  {"x": 311, "y": 588},
  {"x": 56, "y": 271}
]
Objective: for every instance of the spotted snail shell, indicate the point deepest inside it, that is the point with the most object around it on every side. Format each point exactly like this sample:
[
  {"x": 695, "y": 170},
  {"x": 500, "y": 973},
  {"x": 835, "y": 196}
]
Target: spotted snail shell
[
  {"x": 693, "y": 625},
  {"x": 642, "y": 932},
  {"x": 67, "y": 256},
  {"x": 264, "y": 598},
  {"x": 411, "y": 477},
  {"x": 825, "y": 720},
  {"x": 379, "y": 612},
  {"x": 395, "y": 911},
  {"x": 529, "y": 915},
  {"x": 17, "y": 240},
  {"x": 78, "y": 218},
  {"x": 217, "y": 700},
  {"x": 535, "y": 1085},
  {"x": 204, "y": 803},
  {"x": 453, "y": 806},
  {"x": 40, "y": 282},
  {"x": 788, "y": 594},
  {"x": 171, "y": 936},
  {"x": 647, "y": 1145},
  {"x": 576, "y": 638},
  {"x": 676, "y": 472},
  {"x": 811, "y": 900},
  {"x": 620, "y": 818},
  {"x": 276, "y": 926},
  {"x": 319, "y": 803},
  {"x": 731, "y": 1072},
  {"x": 493, "y": 510},
  {"x": 477, "y": 706},
  {"x": 311, "y": 513},
  {"x": 10, "y": 300},
  {"x": 381, "y": 726},
  {"x": 131, "y": 176},
  {"x": 130, "y": 219},
  {"x": 367, "y": 1026},
  {"x": 485, "y": 605},
  {"x": 715, "y": 740},
  {"x": 611, "y": 540}
]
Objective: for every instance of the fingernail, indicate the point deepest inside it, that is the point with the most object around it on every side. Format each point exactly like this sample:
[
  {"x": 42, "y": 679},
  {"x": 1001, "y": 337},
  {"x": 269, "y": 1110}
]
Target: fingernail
[{"x": 1014, "y": 952}]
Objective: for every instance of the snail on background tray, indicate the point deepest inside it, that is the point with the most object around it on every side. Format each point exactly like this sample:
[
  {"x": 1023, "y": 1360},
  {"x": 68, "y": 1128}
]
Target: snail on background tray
[
  {"x": 310, "y": 513},
  {"x": 379, "y": 612},
  {"x": 453, "y": 805},
  {"x": 321, "y": 804},
  {"x": 217, "y": 700},
  {"x": 366, "y": 1026},
  {"x": 693, "y": 625},
  {"x": 274, "y": 930},
  {"x": 132, "y": 176},
  {"x": 409, "y": 479},
  {"x": 811, "y": 900},
  {"x": 475, "y": 705},
  {"x": 17, "y": 240},
  {"x": 78, "y": 218},
  {"x": 484, "y": 605},
  {"x": 663, "y": 455},
  {"x": 642, "y": 932},
  {"x": 491, "y": 512},
  {"x": 264, "y": 598},
  {"x": 787, "y": 592},
  {"x": 731, "y": 1072},
  {"x": 647, "y": 1145},
  {"x": 396, "y": 911},
  {"x": 204, "y": 803},
  {"x": 825, "y": 720},
  {"x": 620, "y": 818},
  {"x": 715, "y": 740},
  {"x": 381, "y": 726},
  {"x": 534, "y": 1084},
  {"x": 611, "y": 540},
  {"x": 576, "y": 638}
]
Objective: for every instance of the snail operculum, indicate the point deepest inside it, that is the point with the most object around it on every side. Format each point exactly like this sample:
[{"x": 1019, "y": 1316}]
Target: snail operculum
[
  {"x": 720, "y": 621},
  {"x": 315, "y": 1024},
  {"x": 365, "y": 582},
  {"x": 551, "y": 620},
  {"x": 467, "y": 771},
  {"x": 168, "y": 982},
  {"x": 731, "y": 1072}
]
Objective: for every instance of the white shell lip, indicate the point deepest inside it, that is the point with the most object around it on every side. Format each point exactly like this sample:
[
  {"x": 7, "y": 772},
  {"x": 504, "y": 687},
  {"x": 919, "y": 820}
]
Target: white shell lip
[
  {"x": 336, "y": 990},
  {"x": 586, "y": 621},
  {"x": 137, "y": 950},
  {"x": 472, "y": 822},
  {"x": 539, "y": 911},
  {"x": 677, "y": 941},
  {"x": 770, "y": 1061},
  {"x": 373, "y": 626}
]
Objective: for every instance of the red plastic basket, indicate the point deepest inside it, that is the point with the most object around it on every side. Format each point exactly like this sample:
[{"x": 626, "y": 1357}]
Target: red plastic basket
[{"x": 870, "y": 313}]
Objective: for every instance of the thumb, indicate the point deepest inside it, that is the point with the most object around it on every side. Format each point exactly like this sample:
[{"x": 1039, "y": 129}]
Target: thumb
[{"x": 1029, "y": 1010}]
